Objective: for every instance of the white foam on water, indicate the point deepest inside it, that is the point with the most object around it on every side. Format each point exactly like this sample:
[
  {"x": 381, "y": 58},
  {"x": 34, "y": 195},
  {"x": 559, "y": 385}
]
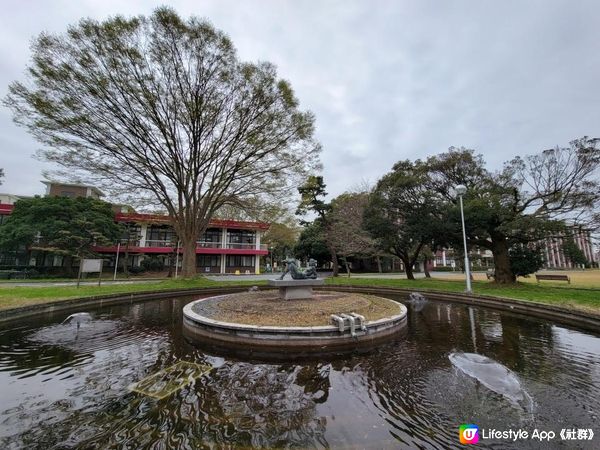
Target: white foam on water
[{"x": 495, "y": 376}]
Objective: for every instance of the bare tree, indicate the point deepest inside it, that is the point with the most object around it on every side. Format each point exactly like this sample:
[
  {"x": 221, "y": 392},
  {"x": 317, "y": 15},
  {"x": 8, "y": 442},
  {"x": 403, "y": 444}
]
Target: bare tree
[
  {"x": 345, "y": 231},
  {"x": 162, "y": 109}
]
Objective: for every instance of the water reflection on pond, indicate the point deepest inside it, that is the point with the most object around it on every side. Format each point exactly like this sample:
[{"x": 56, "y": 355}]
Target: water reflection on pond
[{"x": 67, "y": 388}]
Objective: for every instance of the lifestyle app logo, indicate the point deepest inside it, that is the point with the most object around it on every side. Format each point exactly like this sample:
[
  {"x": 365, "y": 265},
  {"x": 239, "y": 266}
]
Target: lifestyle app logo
[{"x": 468, "y": 433}]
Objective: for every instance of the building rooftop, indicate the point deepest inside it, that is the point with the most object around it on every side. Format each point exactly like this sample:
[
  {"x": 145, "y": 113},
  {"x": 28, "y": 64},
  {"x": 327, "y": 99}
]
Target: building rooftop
[{"x": 97, "y": 191}]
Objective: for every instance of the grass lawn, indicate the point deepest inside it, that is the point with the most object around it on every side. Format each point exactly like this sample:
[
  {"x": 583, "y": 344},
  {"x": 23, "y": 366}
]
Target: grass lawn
[
  {"x": 15, "y": 296},
  {"x": 589, "y": 278},
  {"x": 587, "y": 299},
  {"x": 581, "y": 294}
]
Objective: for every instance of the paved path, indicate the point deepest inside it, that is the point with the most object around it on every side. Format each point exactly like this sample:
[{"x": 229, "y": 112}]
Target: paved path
[
  {"x": 261, "y": 277},
  {"x": 392, "y": 276}
]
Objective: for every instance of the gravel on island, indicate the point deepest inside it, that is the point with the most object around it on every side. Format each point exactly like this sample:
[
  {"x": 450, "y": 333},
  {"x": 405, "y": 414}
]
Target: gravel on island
[{"x": 267, "y": 309}]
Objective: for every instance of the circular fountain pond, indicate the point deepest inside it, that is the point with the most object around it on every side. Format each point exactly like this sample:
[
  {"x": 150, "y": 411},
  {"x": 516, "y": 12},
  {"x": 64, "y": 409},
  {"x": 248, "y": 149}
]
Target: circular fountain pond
[
  {"x": 263, "y": 324},
  {"x": 128, "y": 378}
]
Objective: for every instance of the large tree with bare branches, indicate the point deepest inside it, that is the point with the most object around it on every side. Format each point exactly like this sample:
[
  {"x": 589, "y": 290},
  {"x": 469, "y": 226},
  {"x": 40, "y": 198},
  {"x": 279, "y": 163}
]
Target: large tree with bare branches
[
  {"x": 161, "y": 108},
  {"x": 532, "y": 198}
]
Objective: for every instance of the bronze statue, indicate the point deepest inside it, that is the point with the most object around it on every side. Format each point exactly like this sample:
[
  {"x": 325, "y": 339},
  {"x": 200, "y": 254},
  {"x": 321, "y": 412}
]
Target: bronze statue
[{"x": 297, "y": 273}]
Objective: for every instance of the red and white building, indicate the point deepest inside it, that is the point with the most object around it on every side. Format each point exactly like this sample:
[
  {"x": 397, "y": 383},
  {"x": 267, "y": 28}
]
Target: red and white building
[{"x": 227, "y": 246}]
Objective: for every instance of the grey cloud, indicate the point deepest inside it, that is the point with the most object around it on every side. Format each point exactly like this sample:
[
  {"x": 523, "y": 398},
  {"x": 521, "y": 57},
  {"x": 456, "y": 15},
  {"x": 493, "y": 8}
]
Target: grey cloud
[{"x": 387, "y": 80}]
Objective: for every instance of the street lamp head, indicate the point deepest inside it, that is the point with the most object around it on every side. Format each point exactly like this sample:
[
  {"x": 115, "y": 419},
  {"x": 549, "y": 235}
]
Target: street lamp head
[{"x": 461, "y": 189}]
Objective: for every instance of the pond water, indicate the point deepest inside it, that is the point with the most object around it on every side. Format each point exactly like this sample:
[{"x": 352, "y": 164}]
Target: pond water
[{"x": 63, "y": 387}]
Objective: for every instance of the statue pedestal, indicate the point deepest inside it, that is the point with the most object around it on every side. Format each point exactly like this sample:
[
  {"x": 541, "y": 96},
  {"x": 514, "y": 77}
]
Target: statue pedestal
[{"x": 296, "y": 289}]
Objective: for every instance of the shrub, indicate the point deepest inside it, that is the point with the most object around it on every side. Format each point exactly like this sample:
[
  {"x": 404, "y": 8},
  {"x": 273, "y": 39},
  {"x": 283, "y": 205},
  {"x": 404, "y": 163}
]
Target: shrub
[
  {"x": 152, "y": 264},
  {"x": 525, "y": 260}
]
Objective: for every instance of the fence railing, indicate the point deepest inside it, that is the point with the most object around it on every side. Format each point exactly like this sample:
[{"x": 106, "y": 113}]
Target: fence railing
[
  {"x": 199, "y": 244},
  {"x": 161, "y": 243},
  {"x": 209, "y": 244}
]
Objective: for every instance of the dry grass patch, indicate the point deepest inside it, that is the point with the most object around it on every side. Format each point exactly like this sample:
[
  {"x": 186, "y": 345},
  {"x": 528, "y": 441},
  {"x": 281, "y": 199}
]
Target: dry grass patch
[{"x": 267, "y": 309}]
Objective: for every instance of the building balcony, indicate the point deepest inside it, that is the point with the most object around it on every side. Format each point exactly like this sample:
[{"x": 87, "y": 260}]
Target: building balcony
[
  {"x": 165, "y": 246},
  {"x": 208, "y": 244},
  {"x": 160, "y": 243}
]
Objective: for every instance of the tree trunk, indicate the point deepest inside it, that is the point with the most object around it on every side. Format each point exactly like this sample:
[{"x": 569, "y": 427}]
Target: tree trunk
[
  {"x": 126, "y": 262},
  {"x": 334, "y": 260},
  {"x": 408, "y": 269},
  {"x": 188, "y": 244},
  {"x": 170, "y": 273},
  {"x": 379, "y": 264},
  {"x": 346, "y": 265},
  {"x": 426, "y": 268},
  {"x": 68, "y": 262},
  {"x": 503, "y": 272}
]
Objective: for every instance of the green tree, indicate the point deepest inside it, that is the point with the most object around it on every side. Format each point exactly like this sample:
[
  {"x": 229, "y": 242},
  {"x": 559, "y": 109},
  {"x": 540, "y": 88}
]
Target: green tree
[
  {"x": 525, "y": 260},
  {"x": 573, "y": 252},
  {"x": 281, "y": 239},
  {"x": 1, "y": 175},
  {"x": 312, "y": 243},
  {"x": 161, "y": 108},
  {"x": 60, "y": 225},
  {"x": 405, "y": 216},
  {"x": 525, "y": 202},
  {"x": 312, "y": 199}
]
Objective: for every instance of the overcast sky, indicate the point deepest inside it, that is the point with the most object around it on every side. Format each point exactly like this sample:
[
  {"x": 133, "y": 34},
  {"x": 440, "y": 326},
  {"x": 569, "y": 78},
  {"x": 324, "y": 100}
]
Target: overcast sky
[{"x": 387, "y": 80}]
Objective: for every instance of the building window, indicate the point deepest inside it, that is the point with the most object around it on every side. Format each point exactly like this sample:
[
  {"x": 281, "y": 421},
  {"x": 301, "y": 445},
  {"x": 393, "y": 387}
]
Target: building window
[
  {"x": 208, "y": 261},
  {"x": 161, "y": 236},
  {"x": 241, "y": 239},
  {"x": 240, "y": 261},
  {"x": 211, "y": 238}
]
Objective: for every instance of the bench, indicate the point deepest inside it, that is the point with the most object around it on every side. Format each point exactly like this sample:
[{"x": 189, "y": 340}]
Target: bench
[{"x": 553, "y": 278}]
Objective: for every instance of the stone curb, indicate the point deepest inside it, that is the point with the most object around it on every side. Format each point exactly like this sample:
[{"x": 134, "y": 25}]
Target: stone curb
[
  {"x": 194, "y": 316},
  {"x": 110, "y": 299},
  {"x": 587, "y": 320},
  {"x": 582, "y": 319}
]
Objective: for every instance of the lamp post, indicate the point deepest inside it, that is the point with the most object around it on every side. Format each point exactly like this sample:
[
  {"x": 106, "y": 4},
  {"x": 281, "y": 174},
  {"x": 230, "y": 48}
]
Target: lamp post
[
  {"x": 271, "y": 252},
  {"x": 461, "y": 190}
]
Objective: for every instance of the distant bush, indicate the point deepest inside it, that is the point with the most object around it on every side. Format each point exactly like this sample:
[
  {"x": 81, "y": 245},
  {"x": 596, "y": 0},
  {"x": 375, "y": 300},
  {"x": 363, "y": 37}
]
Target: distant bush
[
  {"x": 152, "y": 264},
  {"x": 134, "y": 270}
]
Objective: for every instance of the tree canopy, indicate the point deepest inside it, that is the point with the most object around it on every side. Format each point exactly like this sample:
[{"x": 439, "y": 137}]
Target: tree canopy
[
  {"x": 161, "y": 108},
  {"x": 312, "y": 200},
  {"x": 531, "y": 198},
  {"x": 573, "y": 252},
  {"x": 312, "y": 244},
  {"x": 405, "y": 216},
  {"x": 60, "y": 225},
  {"x": 346, "y": 232},
  {"x": 281, "y": 239}
]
